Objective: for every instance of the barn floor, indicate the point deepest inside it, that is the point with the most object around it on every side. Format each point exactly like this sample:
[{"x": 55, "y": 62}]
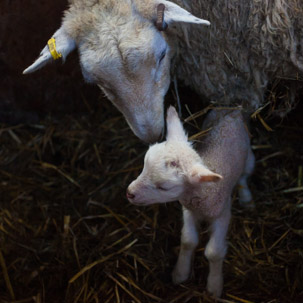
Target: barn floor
[{"x": 68, "y": 234}]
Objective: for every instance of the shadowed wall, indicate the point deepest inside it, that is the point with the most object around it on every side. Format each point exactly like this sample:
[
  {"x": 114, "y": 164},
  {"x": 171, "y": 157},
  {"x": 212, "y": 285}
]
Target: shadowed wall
[{"x": 25, "y": 27}]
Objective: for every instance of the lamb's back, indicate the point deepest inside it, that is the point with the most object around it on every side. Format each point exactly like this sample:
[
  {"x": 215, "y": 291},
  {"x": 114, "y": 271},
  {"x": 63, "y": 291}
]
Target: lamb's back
[{"x": 225, "y": 147}]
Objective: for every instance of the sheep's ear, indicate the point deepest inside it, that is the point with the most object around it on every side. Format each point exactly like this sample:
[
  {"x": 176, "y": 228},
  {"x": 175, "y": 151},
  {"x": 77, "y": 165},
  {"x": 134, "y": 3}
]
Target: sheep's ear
[
  {"x": 64, "y": 44},
  {"x": 175, "y": 130},
  {"x": 175, "y": 13},
  {"x": 201, "y": 174}
]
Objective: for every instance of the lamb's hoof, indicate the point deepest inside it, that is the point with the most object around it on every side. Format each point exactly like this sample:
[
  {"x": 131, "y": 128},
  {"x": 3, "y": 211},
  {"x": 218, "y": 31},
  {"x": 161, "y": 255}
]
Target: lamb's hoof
[
  {"x": 215, "y": 286},
  {"x": 179, "y": 277}
]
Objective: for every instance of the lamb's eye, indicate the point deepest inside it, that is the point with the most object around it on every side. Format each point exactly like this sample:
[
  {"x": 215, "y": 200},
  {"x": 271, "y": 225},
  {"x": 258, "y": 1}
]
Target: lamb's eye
[{"x": 161, "y": 188}]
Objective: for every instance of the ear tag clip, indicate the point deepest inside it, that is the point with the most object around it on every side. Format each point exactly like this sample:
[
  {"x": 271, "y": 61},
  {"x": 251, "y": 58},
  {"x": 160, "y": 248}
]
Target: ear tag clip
[
  {"x": 52, "y": 48},
  {"x": 160, "y": 23}
]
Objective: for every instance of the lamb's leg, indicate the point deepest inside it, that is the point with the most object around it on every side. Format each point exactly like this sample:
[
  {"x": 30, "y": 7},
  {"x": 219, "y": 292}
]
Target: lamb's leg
[
  {"x": 215, "y": 251},
  {"x": 245, "y": 195},
  {"x": 189, "y": 241}
]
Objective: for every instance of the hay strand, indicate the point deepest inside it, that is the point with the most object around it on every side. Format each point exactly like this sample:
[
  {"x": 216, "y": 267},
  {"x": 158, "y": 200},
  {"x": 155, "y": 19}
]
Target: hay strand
[
  {"x": 6, "y": 276},
  {"x": 88, "y": 267}
]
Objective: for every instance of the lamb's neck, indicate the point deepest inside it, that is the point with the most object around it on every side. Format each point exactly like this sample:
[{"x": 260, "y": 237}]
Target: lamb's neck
[{"x": 206, "y": 200}]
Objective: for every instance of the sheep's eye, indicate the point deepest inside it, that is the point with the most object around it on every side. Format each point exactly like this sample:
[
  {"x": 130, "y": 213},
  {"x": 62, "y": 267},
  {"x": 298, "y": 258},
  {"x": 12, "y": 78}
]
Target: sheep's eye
[
  {"x": 162, "y": 56},
  {"x": 161, "y": 188}
]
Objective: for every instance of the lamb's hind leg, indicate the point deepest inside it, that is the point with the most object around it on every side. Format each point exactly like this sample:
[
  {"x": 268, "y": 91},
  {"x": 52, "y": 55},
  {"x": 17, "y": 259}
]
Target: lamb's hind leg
[
  {"x": 189, "y": 241},
  {"x": 245, "y": 195},
  {"x": 215, "y": 251}
]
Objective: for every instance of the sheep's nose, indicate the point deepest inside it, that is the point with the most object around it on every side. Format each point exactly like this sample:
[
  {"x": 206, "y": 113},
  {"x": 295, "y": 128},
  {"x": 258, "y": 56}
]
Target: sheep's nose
[{"x": 129, "y": 195}]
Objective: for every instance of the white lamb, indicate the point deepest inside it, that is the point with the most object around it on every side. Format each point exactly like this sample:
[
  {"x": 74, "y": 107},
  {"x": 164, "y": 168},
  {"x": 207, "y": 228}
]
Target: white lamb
[{"x": 202, "y": 181}]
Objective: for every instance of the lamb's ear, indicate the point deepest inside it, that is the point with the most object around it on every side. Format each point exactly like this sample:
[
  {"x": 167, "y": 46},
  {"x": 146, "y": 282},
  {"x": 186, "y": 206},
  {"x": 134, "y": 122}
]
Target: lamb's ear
[
  {"x": 200, "y": 174},
  {"x": 175, "y": 130},
  {"x": 175, "y": 13},
  {"x": 64, "y": 44}
]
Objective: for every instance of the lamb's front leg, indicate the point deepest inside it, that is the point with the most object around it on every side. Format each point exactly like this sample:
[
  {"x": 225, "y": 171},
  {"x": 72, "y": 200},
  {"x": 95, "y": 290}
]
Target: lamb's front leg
[
  {"x": 215, "y": 251},
  {"x": 189, "y": 241}
]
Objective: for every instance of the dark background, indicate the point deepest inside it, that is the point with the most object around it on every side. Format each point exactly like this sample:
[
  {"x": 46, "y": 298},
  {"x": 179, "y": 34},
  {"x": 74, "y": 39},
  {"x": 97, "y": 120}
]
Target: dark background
[{"x": 25, "y": 27}]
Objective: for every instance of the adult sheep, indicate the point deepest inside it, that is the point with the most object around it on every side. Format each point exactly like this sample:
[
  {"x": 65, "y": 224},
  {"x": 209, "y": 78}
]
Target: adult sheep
[{"x": 129, "y": 52}]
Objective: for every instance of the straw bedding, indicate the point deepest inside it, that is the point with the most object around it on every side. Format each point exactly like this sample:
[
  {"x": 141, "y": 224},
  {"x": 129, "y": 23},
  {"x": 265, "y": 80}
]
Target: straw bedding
[{"x": 68, "y": 234}]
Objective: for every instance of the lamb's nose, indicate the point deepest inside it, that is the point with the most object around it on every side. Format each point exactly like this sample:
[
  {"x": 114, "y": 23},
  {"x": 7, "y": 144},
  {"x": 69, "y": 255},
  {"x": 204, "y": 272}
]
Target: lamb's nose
[{"x": 129, "y": 195}]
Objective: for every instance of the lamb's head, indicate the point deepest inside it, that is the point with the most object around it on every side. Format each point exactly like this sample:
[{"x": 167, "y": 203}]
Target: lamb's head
[
  {"x": 124, "y": 51},
  {"x": 171, "y": 168}
]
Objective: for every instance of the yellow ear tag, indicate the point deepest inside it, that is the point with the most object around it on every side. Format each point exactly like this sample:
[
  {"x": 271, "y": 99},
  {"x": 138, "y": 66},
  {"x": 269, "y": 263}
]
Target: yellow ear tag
[{"x": 52, "y": 48}]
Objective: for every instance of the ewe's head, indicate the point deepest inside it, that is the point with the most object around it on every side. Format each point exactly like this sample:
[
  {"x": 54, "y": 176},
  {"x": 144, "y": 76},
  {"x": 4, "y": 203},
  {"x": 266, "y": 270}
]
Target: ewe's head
[
  {"x": 124, "y": 51},
  {"x": 170, "y": 168}
]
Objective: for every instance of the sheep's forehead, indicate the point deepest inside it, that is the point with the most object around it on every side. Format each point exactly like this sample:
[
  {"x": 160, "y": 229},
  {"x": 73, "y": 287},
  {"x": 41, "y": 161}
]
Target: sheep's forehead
[
  {"x": 125, "y": 48},
  {"x": 158, "y": 159},
  {"x": 156, "y": 163},
  {"x": 142, "y": 46},
  {"x": 156, "y": 154}
]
